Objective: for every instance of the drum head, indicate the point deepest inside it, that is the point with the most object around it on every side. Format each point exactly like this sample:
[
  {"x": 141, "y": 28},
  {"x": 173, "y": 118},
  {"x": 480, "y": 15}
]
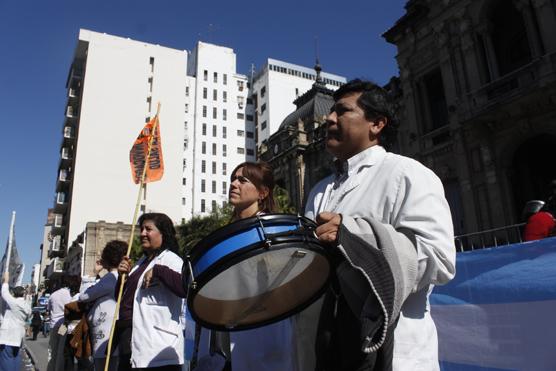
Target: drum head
[{"x": 258, "y": 284}]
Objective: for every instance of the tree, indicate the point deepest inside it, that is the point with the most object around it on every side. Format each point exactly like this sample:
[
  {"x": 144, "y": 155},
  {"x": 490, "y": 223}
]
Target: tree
[
  {"x": 282, "y": 199},
  {"x": 198, "y": 227}
]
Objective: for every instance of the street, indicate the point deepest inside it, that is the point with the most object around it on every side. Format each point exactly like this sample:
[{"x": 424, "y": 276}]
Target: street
[{"x": 38, "y": 350}]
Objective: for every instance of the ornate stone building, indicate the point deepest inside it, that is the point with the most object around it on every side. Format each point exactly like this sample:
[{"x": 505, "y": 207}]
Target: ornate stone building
[
  {"x": 479, "y": 96},
  {"x": 296, "y": 151}
]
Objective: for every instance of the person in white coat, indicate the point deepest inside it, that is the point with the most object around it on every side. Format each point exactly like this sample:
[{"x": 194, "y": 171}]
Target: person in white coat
[
  {"x": 267, "y": 348},
  {"x": 101, "y": 296},
  {"x": 149, "y": 332},
  {"x": 392, "y": 211},
  {"x": 12, "y": 329}
]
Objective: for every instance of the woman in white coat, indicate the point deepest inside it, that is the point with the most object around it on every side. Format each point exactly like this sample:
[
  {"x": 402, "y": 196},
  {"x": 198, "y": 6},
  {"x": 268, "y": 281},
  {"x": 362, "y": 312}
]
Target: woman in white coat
[
  {"x": 149, "y": 331},
  {"x": 268, "y": 348},
  {"x": 101, "y": 295}
]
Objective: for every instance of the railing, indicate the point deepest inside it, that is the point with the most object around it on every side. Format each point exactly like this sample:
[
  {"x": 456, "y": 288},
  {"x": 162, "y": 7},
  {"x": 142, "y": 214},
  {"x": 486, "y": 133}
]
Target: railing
[{"x": 490, "y": 238}]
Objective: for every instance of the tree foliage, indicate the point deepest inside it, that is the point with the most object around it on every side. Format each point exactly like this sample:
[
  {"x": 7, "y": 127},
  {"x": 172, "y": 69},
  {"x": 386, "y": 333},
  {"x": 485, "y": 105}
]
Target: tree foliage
[{"x": 198, "y": 227}]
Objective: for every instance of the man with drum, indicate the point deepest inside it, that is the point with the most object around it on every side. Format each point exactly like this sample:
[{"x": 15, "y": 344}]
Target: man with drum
[{"x": 388, "y": 225}]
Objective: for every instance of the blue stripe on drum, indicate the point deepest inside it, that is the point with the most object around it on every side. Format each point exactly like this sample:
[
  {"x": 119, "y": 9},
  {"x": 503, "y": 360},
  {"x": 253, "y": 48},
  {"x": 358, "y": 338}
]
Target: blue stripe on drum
[{"x": 237, "y": 242}]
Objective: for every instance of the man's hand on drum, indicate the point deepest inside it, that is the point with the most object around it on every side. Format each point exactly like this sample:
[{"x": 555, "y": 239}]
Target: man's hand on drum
[
  {"x": 125, "y": 265},
  {"x": 328, "y": 225}
]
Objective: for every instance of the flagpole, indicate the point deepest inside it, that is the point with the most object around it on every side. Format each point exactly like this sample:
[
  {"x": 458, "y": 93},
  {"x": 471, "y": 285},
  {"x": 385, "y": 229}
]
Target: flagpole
[
  {"x": 10, "y": 243},
  {"x": 130, "y": 243}
]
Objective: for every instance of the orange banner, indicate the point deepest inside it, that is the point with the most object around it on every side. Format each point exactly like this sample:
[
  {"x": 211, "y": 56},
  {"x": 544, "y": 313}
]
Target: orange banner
[{"x": 138, "y": 154}]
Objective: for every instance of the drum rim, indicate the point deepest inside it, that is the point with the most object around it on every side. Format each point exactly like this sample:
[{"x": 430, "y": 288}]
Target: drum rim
[
  {"x": 241, "y": 255},
  {"x": 224, "y": 232}
]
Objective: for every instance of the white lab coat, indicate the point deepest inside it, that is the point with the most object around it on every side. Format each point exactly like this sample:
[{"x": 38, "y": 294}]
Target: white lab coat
[
  {"x": 403, "y": 193},
  {"x": 12, "y": 330},
  {"x": 157, "y": 336}
]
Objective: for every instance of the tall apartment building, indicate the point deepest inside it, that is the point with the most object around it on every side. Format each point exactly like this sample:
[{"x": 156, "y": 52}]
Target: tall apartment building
[
  {"x": 113, "y": 88},
  {"x": 275, "y": 88}
]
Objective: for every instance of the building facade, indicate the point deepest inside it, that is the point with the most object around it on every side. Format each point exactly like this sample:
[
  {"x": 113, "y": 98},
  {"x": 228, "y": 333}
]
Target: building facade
[
  {"x": 113, "y": 87},
  {"x": 479, "y": 97},
  {"x": 275, "y": 88}
]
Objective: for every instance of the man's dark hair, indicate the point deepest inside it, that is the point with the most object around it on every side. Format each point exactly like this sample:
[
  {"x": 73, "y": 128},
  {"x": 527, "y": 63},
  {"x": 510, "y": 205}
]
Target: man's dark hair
[
  {"x": 164, "y": 224},
  {"x": 113, "y": 253},
  {"x": 18, "y": 291},
  {"x": 375, "y": 102}
]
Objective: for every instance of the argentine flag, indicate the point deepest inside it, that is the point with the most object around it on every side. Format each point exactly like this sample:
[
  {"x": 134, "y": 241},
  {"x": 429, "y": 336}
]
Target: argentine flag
[{"x": 499, "y": 312}]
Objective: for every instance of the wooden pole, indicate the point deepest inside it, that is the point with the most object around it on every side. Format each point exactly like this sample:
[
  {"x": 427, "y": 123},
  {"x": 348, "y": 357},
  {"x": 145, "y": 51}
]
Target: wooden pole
[{"x": 130, "y": 243}]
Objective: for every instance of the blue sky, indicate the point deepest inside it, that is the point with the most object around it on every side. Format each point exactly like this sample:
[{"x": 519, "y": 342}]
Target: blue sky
[{"x": 38, "y": 37}]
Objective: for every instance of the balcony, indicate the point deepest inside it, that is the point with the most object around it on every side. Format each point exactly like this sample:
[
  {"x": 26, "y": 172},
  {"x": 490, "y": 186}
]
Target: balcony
[
  {"x": 72, "y": 112},
  {"x": 73, "y": 93},
  {"x": 63, "y": 179},
  {"x": 60, "y": 204},
  {"x": 69, "y": 133}
]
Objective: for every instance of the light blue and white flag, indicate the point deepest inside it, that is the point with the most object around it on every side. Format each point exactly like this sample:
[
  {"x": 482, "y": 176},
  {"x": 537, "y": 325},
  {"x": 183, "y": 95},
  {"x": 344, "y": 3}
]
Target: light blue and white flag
[{"x": 499, "y": 313}]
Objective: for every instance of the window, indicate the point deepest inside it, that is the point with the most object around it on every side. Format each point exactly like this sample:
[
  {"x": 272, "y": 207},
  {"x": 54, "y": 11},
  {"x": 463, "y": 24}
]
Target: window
[
  {"x": 263, "y": 108},
  {"x": 224, "y": 166},
  {"x": 296, "y": 92},
  {"x": 204, "y": 148},
  {"x": 240, "y": 85},
  {"x": 185, "y": 126},
  {"x": 225, "y": 79},
  {"x": 240, "y": 101},
  {"x": 214, "y": 130},
  {"x": 151, "y": 63},
  {"x": 263, "y": 91},
  {"x": 250, "y": 152},
  {"x": 184, "y": 181},
  {"x": 224, "y": 188},
  {"x": 185, "y": 145},
  {"x": 213, "y": 205},
  {"x": 204, "y": 111},
  {"x": 214, "y": 112},
  {"x": 187, "y": 91},
  {"x": 183, "y": 201},
  {"x": 203, "y": 166},
  {"x": 186, "y": 107},
  {"x": 203, "y": 185},
  {"x": 240, "y": 150},
  {"x": 249, "y": 101},
  {"x": 215, "y": 77},
  {"x": 214, "y": 186},
  {"x": 204, "y": 129},
  {"x": 224, "y": 114},
  {"x": 214, "y": 149},
  {"x": 184, "y": 163},
  {"x": 151, "y": 86},
  {"x": 224, "y": 150},
  {"x": 224, "y": 96},
  {"x": 240, "y": 116},
  {"x": 205, "y": 75},
  {"x": 240, "y": 133},
  {"x": 250, "y": 134},
  {"x": 263, "y": 125},
  {"x": 249, "y": 117},
  {"x": 214, "y": 94},
  {"x": 204, "y": 93},
  {"x": 202, "y": 206},
  {"x": 224, "y": 132},
  {"x": 214, "y": 167},
  {"x": 433, "y": 101}
]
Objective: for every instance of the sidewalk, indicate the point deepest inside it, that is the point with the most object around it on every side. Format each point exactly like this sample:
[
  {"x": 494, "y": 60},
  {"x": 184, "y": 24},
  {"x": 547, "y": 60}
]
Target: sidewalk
[{"x": 37, "y": 351}]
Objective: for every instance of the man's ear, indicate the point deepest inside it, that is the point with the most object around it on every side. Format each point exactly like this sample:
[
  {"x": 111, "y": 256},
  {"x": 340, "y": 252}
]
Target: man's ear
[{"x": 378, "y": 124}]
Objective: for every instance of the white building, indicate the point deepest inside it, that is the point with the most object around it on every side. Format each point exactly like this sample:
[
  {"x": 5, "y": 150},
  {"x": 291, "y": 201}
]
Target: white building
[
  {"x": 276, "y": 86},
  {"x": 35, "y": 275},
  {"x": 113, "y": 87}
]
